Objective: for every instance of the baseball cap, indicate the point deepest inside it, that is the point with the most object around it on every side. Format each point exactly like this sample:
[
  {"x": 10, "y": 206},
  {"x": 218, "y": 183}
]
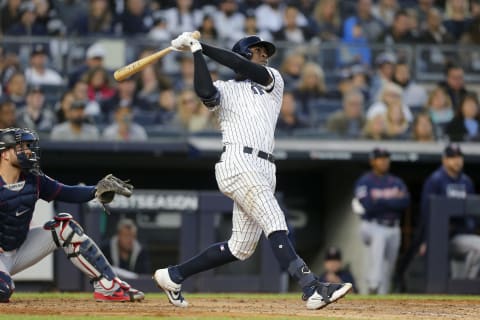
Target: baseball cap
[
  {"x": 96, "y": 50},
  {"x": 27, "y": 6},
  {"x": 39, "y": 49},
  {"x": 385, "y": 57},
  {"x": 333, "y": 253},
  {"x": 453, "y": 150},
  {"x": 379, "y": 153},
  {"x": 35, "y": 88}
]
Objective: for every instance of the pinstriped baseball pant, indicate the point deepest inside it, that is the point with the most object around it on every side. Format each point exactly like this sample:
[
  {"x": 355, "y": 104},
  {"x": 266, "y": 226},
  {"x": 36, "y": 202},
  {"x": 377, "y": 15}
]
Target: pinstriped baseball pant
[{"x": 250, "y": 181}]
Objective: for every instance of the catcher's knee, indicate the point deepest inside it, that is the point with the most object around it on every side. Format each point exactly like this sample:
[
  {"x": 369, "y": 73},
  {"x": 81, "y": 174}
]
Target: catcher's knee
[
  {"x": 6, "y": 287},
  {"x": 65, "y": 230}
]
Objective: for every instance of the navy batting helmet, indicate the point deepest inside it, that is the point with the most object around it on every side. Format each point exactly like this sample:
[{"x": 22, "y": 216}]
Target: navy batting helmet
[
  {"x": 11, "y": 137},
  {"x": 242, "y": 47}
]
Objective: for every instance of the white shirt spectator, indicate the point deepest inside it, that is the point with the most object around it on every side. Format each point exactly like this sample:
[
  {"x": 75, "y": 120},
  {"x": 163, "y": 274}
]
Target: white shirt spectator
[
  {"x": 136, "y": 133},
  {"x": 380, "y": 107},
  {"x": 46, "y": 77}
]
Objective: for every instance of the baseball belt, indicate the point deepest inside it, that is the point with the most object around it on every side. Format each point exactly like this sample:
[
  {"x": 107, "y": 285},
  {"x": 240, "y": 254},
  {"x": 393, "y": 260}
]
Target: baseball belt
[{"x": 261, "y": 154}]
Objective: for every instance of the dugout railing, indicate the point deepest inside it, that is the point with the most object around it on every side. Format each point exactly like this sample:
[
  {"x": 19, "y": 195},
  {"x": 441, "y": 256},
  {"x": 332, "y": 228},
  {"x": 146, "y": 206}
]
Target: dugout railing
[{"x": 438, "y": 268}]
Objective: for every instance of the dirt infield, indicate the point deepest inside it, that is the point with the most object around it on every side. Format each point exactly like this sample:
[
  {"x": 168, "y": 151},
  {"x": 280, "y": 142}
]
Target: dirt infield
[{"x": 251, "y": 308}]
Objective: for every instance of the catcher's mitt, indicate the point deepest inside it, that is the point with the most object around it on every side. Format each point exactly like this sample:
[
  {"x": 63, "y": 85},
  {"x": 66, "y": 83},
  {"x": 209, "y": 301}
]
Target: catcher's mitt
[{"x": 111, "y": 185}]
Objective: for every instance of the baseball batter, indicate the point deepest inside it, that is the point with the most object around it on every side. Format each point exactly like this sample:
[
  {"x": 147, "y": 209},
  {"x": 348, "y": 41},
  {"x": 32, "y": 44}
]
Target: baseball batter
[
  {"x": 21, "y": 184},
  {"x": 248, "y": 107}
]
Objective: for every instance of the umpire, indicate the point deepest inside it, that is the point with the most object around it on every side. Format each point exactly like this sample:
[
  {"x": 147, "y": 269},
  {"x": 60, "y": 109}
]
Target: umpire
[{"x": 381, "y": 199}]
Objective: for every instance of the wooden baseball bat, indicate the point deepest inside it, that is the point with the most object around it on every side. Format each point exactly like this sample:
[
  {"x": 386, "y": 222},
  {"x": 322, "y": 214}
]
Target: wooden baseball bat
[{"x": 136, "y": 66}]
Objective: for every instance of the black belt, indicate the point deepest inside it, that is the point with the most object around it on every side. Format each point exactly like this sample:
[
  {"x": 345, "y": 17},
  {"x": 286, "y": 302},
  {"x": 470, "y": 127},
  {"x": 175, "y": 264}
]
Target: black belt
[
  {"x": 385, "y": 222},
  {"x": 261, "y": 154}
]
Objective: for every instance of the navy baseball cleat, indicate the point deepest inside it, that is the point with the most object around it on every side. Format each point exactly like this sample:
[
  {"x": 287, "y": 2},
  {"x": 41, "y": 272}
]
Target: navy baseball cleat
[
  {"x": 172, "y": 289},
  {"x": 325, "y": 293}
]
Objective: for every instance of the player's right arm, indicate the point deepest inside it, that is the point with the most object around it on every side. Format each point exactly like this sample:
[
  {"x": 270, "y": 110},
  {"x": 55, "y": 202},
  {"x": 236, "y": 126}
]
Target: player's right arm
[{"x": 253, "y": 71}]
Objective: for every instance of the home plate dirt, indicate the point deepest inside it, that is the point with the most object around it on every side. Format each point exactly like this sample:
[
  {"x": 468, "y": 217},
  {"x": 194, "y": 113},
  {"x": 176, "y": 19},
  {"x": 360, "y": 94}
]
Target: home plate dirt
[{"x": 250, "y": 308}]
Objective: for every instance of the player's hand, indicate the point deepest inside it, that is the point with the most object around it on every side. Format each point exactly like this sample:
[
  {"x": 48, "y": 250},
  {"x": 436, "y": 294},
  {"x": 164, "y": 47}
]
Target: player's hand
[{"x": 186, "y": 41}]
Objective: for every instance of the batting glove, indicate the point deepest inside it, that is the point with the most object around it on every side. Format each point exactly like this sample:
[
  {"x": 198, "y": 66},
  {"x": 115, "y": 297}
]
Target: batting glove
[{"x": 180, "y": 43}]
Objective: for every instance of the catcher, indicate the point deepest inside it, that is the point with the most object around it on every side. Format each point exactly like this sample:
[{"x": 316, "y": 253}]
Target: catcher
[{"x": 22, "y": 183}]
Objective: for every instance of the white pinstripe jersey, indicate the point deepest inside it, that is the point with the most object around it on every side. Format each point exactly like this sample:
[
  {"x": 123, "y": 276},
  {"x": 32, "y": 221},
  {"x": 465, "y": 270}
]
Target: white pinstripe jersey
[{"x": 248, "y": 111}]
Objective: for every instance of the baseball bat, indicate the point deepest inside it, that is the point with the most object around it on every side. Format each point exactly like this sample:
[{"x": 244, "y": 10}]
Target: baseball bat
[{"x": 138, "y": 65}]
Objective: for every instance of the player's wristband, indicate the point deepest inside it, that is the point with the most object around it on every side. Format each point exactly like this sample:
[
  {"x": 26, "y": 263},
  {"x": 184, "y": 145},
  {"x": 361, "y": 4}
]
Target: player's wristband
[{"x": 195, "y": 46}]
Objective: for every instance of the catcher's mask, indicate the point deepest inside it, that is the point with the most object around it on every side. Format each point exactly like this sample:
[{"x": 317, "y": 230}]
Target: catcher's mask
[
  {"x": 242, "y": 47},
  {"x": 25, "y": 143}
]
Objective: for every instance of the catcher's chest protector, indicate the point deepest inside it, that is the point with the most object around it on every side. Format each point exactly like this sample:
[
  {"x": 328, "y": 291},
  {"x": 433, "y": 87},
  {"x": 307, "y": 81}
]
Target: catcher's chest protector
[{"x": 17, "y": 202}]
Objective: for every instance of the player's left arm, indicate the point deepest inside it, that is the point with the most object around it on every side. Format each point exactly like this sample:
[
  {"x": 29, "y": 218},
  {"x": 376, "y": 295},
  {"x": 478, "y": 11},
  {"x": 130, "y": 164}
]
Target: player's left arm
[
  {"x": 253, "y": 71},
  {"x": 50, "y": 189}
]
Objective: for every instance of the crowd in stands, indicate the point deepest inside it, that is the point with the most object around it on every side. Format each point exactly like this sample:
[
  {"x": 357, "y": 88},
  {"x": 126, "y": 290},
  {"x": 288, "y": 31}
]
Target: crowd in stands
[{"x": 360, "y": 93}]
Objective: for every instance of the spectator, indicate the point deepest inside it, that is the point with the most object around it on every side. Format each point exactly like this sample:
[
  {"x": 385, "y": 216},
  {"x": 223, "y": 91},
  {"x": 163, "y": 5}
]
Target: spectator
[
  {"x": 16, "y": 89},
  {"x": 397, "y": 124},
  {"x": 291, "y": 69},
  {"x": 391, "y": 96},
  {"x": 251, "y": 28},
  {"x": 159, "y": 31},
  {"x": 310, "y": 88},
  {"x": 9, "y": 14},
  {"x": 361, "y": 79},
  {"x": 400, "y": 31},
  {"x": 38, "y": 73},
  {"x": 98, "y": 21},
  {"x": 27, "y": 26},
  {"x": 94, "y": 59},
  {"x": 414, "y": 95},
  {"x": 385, "y": 64},
  {"x": 355, "y": 48},
  {"x": 454, "y": 84},
  {"x": 8, "y": 113},
  {"x": 182, "y": 17},
  {"x": 44, "y": 11},
  {"x": 75, "y": 128},
  {"x": 335, "y": 272},
  {"x": 289, "y": 118},
  {"x": 35, "y": 114},
  {"x": 375, "y": 128},
  {"x": 327, "y": 18},
  {"x": 9, "y": 64},
  {"x": 80, "y": 92},
  {"x": 124, "y": 95},
  {"x": 422, "y": 9},
  {"x": 124, "y": 251},
  {"x": 385, "y": 11},
  {"x": 135, "y": 19},
  {"x": 184, "y": 80},
  {"x": 270, "y": 15},
  {"x": 191, "y": 115},
  {"x": 370, "y": 26},
  {"x": 348, "y": 123},
  {"x": 457, "y": 17},
  {"x": 99, "y": 85},
  {"x": 439, "y": 107},
  {"x": 450, "y": 181},
  {"x": 290, "y": 30},
  {"x": 209, "y": 29},
  {"x": 381, "y": 200},
  {"x": 150, "y": 82},
  {"x": 124, "y": 129},
  {"x": 165, "y": 108},
  {"x": 435, "y": 32},
  {"x": 465, "y": 126},
  {"x": 68, "y": 11},
  {"x": 423, "y": 128},
  {"x": 62, "y": 107},
  {"x": 228, "y": 21}
]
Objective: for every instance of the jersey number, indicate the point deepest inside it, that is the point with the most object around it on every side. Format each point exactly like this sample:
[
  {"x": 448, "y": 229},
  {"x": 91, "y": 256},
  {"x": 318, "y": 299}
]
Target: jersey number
[{"x": 257, "y": 89}]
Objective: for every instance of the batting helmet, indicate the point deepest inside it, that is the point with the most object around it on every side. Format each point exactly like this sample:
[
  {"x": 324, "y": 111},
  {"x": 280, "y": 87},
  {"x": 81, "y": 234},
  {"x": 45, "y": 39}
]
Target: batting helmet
[
  {"x": 242, "y": 47},
  {"x": 11, "y": 137}
]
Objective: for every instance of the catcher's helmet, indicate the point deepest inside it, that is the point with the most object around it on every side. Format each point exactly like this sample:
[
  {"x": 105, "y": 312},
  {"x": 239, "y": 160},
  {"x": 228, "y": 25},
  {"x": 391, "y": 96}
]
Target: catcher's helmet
[
  {"x": 11, "y": 137},
  {"x": 242, "y": 47}
]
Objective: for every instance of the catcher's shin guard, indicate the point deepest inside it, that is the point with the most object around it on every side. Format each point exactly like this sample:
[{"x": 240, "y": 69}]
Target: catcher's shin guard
[{"x": 81, "y": 250}]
